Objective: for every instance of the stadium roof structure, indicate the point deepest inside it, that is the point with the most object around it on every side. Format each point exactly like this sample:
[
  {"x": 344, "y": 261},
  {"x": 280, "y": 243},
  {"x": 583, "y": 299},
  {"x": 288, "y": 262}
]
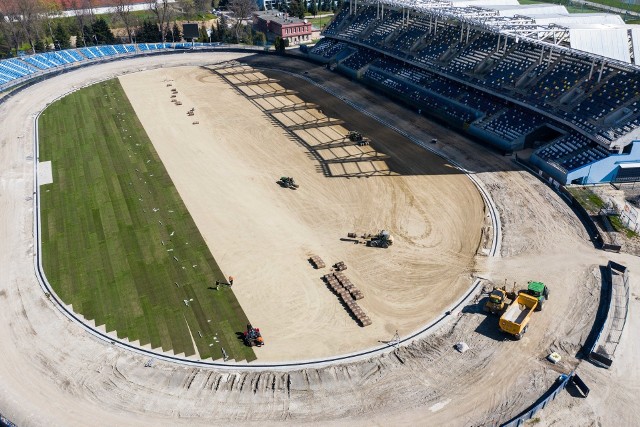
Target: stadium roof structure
[{"x": 603, "y": 35}]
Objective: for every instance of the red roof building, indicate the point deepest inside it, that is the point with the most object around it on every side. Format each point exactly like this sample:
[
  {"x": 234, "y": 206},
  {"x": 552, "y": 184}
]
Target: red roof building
[{"x": 278, "y": 24}]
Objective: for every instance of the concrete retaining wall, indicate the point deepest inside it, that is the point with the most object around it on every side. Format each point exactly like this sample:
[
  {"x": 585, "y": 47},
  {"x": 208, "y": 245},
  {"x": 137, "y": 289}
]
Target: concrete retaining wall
[
  {"x": 544, "y": 400},
  {"x": 613, "y": 317}
]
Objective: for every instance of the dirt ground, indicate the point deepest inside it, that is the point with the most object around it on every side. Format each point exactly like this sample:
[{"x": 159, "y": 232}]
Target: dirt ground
[
  {"x": 52, "y": 372},
  {"x": 225, "y": 169}
]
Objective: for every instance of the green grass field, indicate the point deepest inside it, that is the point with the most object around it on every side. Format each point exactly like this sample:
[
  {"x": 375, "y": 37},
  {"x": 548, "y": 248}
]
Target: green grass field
[{"x": 112, "y": 223}]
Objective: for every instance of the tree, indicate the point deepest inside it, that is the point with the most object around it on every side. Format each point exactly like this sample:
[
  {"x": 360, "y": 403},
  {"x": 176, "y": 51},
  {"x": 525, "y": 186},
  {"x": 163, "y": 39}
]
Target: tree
[
  {"x": 314, "y": 7},
  {"x": 122, "y": 10},
  {"x": 259, "y": 38},
  {"x": 88, "y": 38},
  {"x": 148, "y": 33},
  {"x": 222, "y": 29},
  {"x": 102, "y": 33},
  {"x": 280, "y": 44},
  {"x": 40, "y": 46},
  {"x": 241, "y": 9},
  {"x": 296, "y": 8},
  {"x": 50, "y": 12},
  {"x": 11, "y": 31},
  {"x": 83, "y": 14},
  {"x": 21, "y": 20},
  {"x": 163, "y": 13},
  {"x": 247, "y": 35},
  {"x": 214, "y": 34},
  {"x": 203, "y": 36},
  {"x": 176, "y": 34},
  {"x": 61, "y": 37}
]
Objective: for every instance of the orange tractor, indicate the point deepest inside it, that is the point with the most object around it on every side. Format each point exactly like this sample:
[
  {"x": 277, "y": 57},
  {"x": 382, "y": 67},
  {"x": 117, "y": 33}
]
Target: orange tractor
[{"x": 253, "y": 337}]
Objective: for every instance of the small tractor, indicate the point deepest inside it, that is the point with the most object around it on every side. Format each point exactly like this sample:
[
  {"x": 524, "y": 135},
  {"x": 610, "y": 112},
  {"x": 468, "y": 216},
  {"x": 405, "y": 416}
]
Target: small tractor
[
  {"x": 253, "y": 337},
  {"x": 497, "y": 302},
  {"x": 380, "y": 240},
  {"x": 355, "y": 136},
  {"x": 538, "y": 290},
  {"x": 288, "y": 182}
]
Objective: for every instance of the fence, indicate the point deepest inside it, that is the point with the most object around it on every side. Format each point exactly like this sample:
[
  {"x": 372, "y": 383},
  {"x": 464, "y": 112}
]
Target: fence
[
  {"x": 604, "y": 346},
  {"x": 550, "y": 395}
]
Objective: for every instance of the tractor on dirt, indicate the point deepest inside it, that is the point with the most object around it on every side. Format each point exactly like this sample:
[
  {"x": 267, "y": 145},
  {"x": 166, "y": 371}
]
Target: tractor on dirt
[
  {"x": 380, "y": 240},
  {"x": 538, "y": 290},
  {"x": 355, "y": 136},
  {"x": 252, "y": 337},
  {"x": 288, "y": 182},
  {"x": 497, "y": 301}
]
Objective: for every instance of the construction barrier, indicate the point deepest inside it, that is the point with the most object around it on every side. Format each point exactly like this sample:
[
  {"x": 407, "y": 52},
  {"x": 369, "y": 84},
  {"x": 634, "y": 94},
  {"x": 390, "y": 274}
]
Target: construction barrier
[
  {"x": 542, "y": 402},
  {"x": 580, "y": 385},
  {"x": 612, "y": 315}
]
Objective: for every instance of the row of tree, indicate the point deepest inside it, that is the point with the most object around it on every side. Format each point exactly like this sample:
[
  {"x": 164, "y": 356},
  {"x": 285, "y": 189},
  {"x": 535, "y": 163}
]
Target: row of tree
[
  {"x": 36, "y": 24},
  {"x": 300, "y": 8}
]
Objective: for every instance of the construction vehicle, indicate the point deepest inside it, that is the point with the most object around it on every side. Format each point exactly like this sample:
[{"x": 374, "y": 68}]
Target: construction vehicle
[
  {"x": 497, "y": 301},
  {"x": 288, "y": 182},
  {"x": 355, "y": 136},
  {"x": 540, "y": 291},
  {"x": 515, "y": 320},
  {"x": 252, "y": 337},
  {"x": 380, "y": 240}
]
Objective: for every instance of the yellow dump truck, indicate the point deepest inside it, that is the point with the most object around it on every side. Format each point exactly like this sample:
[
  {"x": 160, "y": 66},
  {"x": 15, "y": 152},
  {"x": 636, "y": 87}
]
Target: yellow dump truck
[{"x": 515, "y": 319}]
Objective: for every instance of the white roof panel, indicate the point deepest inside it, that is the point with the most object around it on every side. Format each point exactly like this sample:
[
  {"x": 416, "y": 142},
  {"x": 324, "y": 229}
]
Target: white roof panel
[
  {"x": 602, "y": 40},
  {"x": 635, "y": 38},
  {"x": 529, "y": 9},
  {"x": 579, "y": 18},
  {"x": 483, "y": 3}
]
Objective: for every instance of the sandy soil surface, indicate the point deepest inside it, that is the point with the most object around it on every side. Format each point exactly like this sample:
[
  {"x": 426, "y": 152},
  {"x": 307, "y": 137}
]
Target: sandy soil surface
[
  {"x": 53, "y": 373},
  {"x": 225, "y": 169}
]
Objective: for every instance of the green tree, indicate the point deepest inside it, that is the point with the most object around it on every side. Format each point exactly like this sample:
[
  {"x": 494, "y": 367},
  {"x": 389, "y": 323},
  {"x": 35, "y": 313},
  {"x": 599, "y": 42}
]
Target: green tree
[
  {"x": 314, "y": 7},
  {"x": 222, "y": 29},
  {"x": 88, "y": 36},
  {"x": 102, "y": 33},
  {"x": 259, "y": 38},
  {"x": 40, "y": 46},
  {"x": 80, "y": 42},
  {"x": 296, "y": 8},
  {"x": 241, "y": 9},
  {"x": 280, "y": 44},
  {"x": 61, "y": 37},
  {"x": 173, "y": 35},
  {"x": 247, "y": 35},
  {"x": 204, "y": 37},
  {"x": 148, "y": 33},
  {"x": 215, "y": 37}
]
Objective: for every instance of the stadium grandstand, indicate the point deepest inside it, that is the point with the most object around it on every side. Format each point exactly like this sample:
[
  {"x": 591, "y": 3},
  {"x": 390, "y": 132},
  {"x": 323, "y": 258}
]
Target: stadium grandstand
[
  {"x": 14, "y": 71},
  {"x": 564, "y": 89}
]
